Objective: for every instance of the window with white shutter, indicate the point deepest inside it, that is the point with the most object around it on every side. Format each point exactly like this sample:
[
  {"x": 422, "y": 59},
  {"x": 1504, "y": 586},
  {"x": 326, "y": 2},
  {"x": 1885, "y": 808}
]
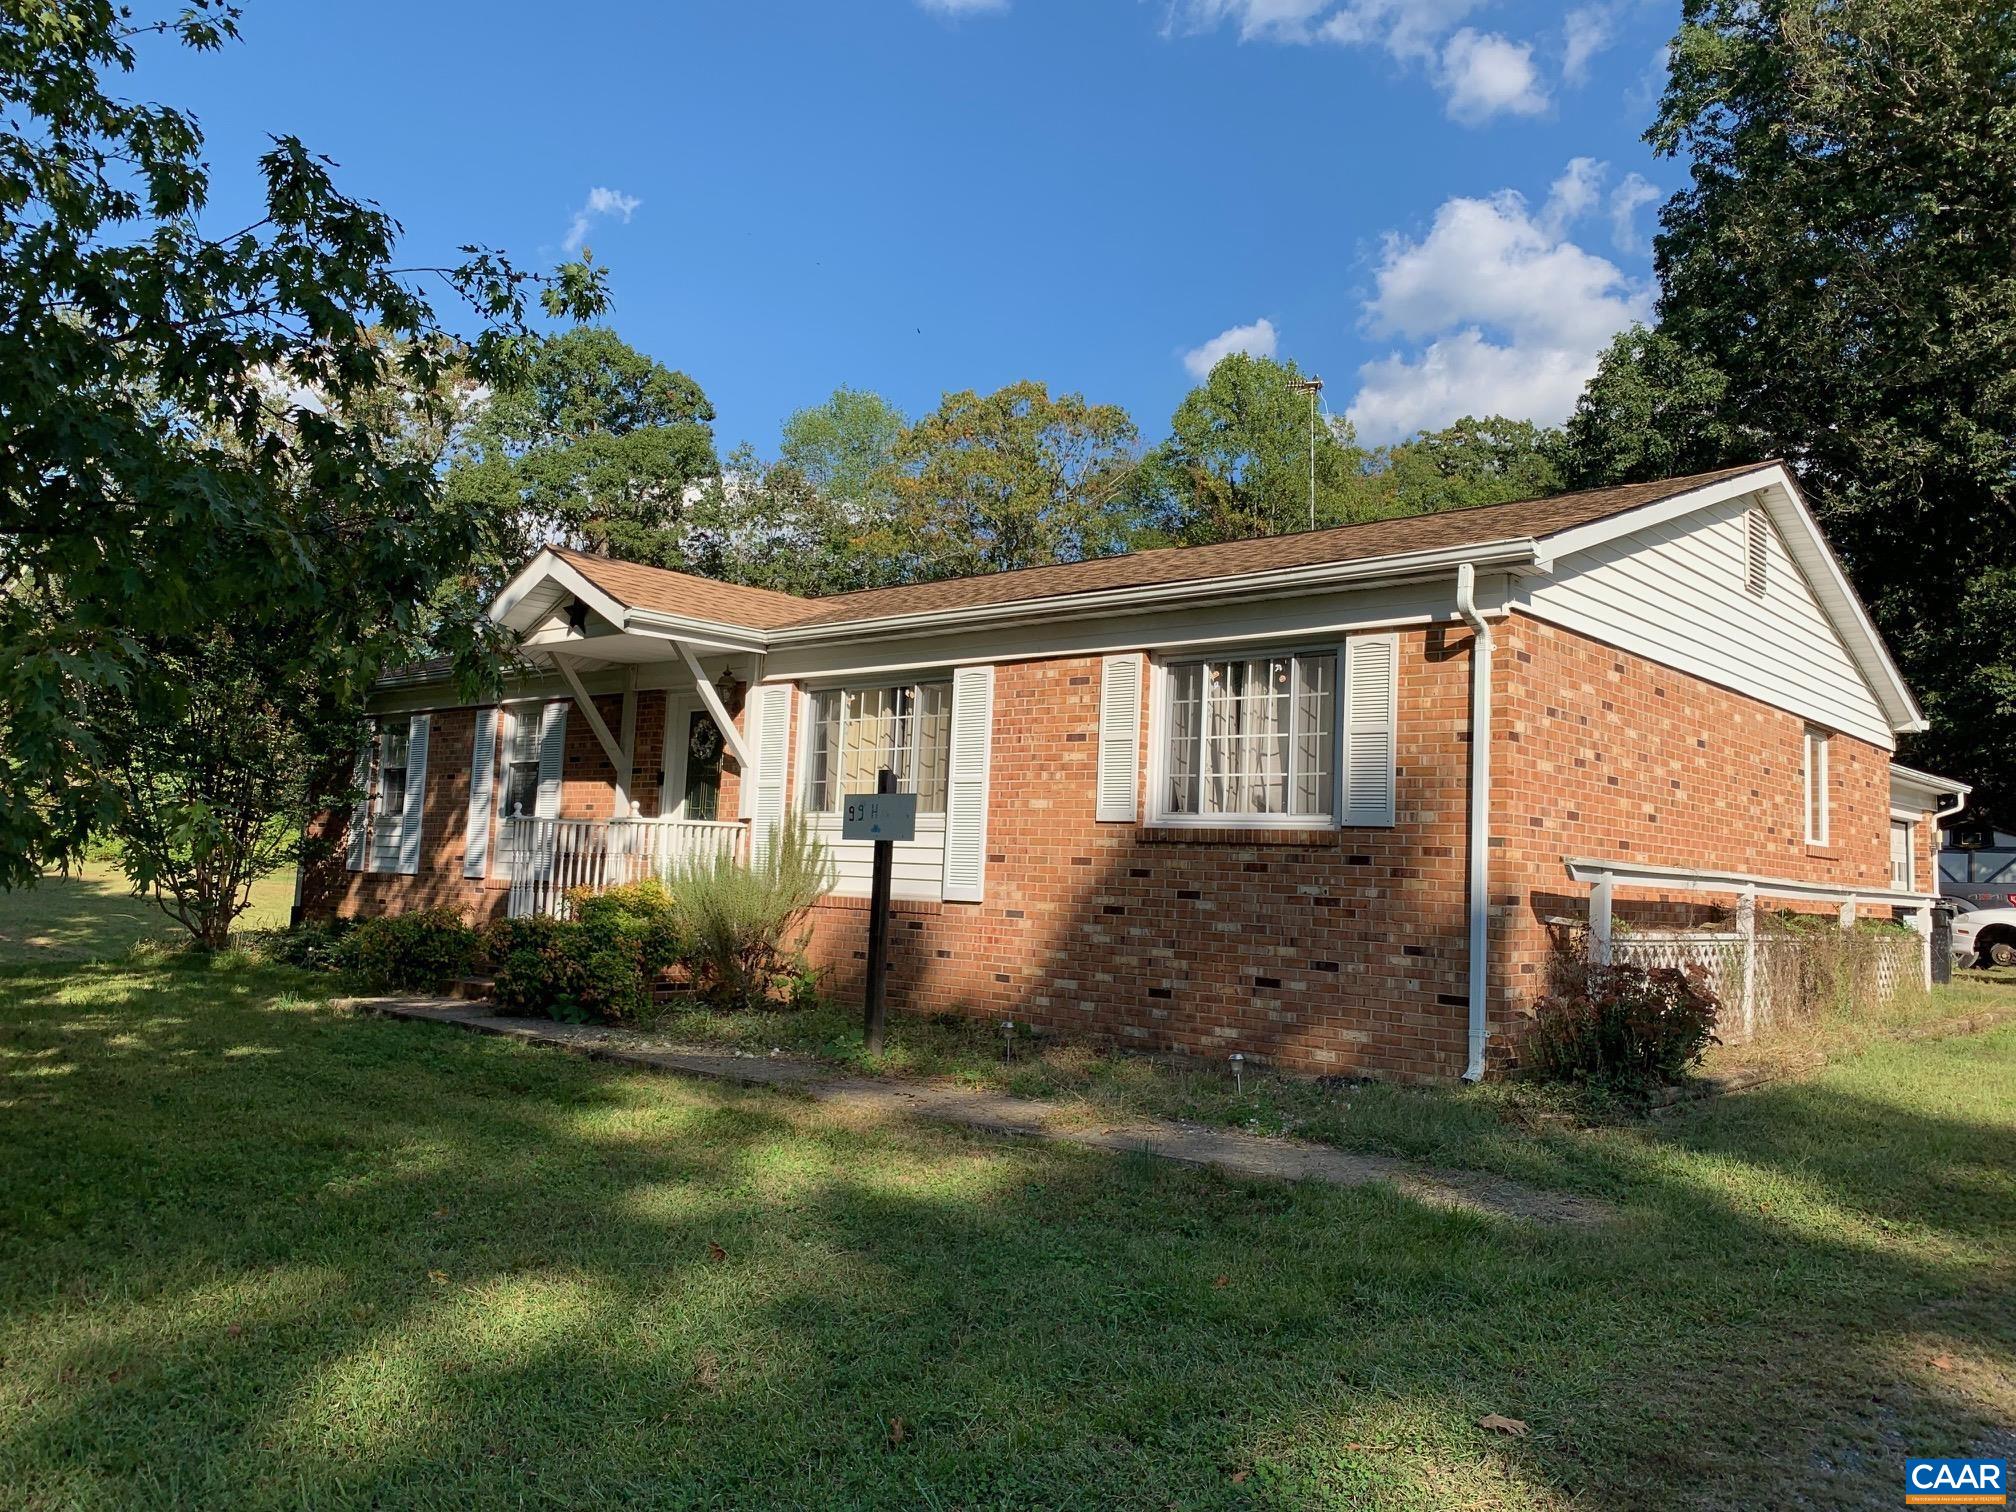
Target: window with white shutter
[
  {"x": 388, "y": 797},
  {"x": 359, "y": 837},
  {"x": 1119, "y": 740},
  {"x": 773, "y": 761},
  {"x": 966, "y": 785},
  {"x": 413, "y": 813},
  {"x": 1371, "y": 720},
  {"x": 482, "y": 774}
]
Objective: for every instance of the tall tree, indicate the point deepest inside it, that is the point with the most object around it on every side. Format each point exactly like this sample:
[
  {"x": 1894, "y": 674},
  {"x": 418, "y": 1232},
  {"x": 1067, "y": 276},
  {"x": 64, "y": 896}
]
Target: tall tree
[
  {"x": 596, "y": 445},
  {"x": 846, "y": 447},
  {"x": 1237, "y": 460},
  {"x": 1489, "y": 461},
  {"x": 1015, "y": 478},
  {"x": 807, "y": 522},
  {"x": 1842, "y": 259},
  {"x": 1654, "y": 409},
  {"x": 189, "y": 448}
]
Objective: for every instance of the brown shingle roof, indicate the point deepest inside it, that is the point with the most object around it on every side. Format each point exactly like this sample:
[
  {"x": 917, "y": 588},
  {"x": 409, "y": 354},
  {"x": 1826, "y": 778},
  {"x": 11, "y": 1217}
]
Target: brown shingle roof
[
  {"x": 761, "y": 609},
  {"x": 639, "y": 587}
]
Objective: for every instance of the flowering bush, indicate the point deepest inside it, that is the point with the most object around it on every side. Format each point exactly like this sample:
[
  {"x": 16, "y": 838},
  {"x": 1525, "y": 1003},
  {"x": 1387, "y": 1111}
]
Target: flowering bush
[{"x": 1625, "y": 1026}]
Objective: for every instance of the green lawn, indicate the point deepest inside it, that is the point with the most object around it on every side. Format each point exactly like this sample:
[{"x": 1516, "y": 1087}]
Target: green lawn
[
  {"x": 256, "y": 1251},
  {"x": 92, "y": 914}
]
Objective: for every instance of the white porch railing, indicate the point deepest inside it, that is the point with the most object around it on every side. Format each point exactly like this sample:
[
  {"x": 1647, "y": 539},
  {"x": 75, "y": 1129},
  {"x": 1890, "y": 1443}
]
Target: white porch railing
[
  {"x": 549, "y": 858},
  {"x": 1748, "y": 968}
]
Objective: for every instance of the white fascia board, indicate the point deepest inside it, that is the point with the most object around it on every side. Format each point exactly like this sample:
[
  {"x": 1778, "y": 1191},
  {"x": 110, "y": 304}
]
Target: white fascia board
[
  {"x": 513, "y": 606},
  {"x": 1927, "y": 782},
  {"x": 1803, "y": 538},
  {"x": 709, "y": 635},
  {"x": 1160, "y": 629},
  {"x": 1512, "y": 555}
]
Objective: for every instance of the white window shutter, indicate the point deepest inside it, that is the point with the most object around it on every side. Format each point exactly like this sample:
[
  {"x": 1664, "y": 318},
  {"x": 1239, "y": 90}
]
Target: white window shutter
[
  {"x": 360, "y": 812},
  {"x": 552, "y": 757},
  {"x": 482, "y": 773},
  {"x": 1371, "y": 716},
  {"x": 773, "y": 765},
  {"x": 1119, "y": 740},
  {"x": 966, "y": 793},
  {"x": 414, "y": 816}
]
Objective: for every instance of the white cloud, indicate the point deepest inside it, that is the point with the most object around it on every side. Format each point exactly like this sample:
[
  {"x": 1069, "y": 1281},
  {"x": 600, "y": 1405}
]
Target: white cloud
[
  {"x": 1507, "y": 314},
  {"x": 1483, "y": 74},
  {"x": 601, "y": 204},
  {"x": 963, "y": 7},
  {"x": 1259, "y": 339},
  {"x": 1586, "y": 31},
  {"x": 1625, "y": 200}
]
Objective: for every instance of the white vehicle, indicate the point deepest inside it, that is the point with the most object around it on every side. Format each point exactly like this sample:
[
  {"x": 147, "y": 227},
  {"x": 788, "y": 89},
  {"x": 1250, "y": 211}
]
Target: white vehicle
[{"x": 1986, "y": 936}]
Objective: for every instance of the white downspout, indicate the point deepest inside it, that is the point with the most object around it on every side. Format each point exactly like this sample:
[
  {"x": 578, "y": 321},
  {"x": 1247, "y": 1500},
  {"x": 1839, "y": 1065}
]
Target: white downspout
[{"x": 1480, "y": 814}]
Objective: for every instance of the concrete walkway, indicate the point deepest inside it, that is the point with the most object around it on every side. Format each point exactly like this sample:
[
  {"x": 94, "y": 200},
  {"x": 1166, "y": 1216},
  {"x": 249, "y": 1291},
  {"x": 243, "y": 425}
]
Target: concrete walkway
[{"x": 992, "y": 1112}]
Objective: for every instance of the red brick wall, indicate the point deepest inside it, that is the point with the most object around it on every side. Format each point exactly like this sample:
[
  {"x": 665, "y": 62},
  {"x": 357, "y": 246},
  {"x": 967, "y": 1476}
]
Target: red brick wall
[
  {"x": 1598, "y": 753},
  {"x": 1337, "y": 953}
]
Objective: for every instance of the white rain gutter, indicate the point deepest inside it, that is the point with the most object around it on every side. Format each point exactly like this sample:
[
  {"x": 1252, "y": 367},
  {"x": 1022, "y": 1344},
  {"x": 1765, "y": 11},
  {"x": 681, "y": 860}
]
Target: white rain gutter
[{"x": 1480, "y": 814}]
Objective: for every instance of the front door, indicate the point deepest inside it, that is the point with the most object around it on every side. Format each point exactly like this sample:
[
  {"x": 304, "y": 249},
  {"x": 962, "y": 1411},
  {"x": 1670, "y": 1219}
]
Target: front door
[{"x": 692, "y": 763}]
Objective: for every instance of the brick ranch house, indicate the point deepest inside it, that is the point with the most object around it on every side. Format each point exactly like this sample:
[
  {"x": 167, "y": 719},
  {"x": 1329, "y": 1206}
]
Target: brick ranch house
[{"x": 1211, "y": 798}]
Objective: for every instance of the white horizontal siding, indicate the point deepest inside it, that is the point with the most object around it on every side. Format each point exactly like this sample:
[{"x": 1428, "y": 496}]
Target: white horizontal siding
[
  {"x": 1674, "y": 593},
  {"x": 916, "y": 870}
]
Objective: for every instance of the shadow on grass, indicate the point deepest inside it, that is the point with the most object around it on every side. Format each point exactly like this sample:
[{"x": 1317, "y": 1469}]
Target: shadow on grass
[{"x": 251, "y": 1252}]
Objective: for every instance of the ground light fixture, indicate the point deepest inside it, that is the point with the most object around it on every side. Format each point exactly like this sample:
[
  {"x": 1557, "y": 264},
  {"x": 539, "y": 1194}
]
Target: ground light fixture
[
  {"x": 1008, "y": 1039},
  {"x": 1238, "y": 1071}
]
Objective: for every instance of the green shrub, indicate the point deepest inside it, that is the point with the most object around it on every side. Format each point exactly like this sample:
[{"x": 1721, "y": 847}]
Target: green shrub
[
  {"x": 313, "y": 946},
  {"x": 1628, "y": 1027},
  {"x": 423, "y": 950},
  {"x": 738, "y": 920},
  {"x": 602, "y": 964}
]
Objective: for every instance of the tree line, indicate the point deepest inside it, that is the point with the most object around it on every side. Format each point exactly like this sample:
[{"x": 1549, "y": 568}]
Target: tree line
[
  {"x": 607, "y": 449},
  {"x": 247, "y": 472}
]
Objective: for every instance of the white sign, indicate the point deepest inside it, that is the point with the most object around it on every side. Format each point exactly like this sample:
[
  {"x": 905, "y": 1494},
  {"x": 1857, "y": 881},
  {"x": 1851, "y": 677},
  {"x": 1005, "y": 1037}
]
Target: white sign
[{"x": 878, "y": 816}]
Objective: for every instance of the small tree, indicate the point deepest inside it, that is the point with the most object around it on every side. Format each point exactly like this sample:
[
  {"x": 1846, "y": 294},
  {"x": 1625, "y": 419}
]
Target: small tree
[{"x": 212, "y": 767}]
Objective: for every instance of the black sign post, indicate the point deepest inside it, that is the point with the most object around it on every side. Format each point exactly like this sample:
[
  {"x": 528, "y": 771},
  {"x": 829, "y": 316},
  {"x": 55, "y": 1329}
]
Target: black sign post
[{"x": 878, "y": 931}]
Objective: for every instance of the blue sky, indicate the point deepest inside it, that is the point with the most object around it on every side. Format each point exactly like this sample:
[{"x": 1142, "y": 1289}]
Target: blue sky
[{"x": 1442, "y": 206}]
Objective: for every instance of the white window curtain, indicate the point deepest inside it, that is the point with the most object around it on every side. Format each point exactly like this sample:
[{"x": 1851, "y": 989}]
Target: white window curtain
[
  {"x": 1253, "y": 738},
  {"x": 855, "y": 732}
]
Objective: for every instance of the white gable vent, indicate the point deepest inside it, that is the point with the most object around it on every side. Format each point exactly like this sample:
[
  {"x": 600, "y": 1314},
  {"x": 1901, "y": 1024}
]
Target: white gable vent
[{"x": 1757, "y": 557}]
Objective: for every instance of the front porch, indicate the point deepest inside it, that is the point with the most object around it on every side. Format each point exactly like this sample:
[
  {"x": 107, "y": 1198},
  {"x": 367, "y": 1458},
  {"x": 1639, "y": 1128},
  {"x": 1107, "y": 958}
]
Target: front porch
[
  {"x": 546, "y": 859},
  {"x": 662, "y": 705}
]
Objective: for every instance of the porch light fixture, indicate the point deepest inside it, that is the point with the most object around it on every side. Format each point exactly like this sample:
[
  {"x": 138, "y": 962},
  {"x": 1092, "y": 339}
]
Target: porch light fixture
[{"x": 730, "y": 689}]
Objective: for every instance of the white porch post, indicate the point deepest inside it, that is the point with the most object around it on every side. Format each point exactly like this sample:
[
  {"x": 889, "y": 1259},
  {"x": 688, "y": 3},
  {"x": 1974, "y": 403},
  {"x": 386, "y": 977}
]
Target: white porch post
[
  {"x": 1601, "y": 896},
  {"x": 1848, "y": 913},
  {"x": 1746, "y": 929},
  {"x": 714, "y": 705},
  {"x": 1921, "y": 920},
  {"x": 626, "y": 768}
]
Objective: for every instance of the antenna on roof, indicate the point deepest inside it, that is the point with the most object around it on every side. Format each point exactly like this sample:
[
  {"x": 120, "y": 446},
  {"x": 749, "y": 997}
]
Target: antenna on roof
[{"x": 1312, "y": 386}]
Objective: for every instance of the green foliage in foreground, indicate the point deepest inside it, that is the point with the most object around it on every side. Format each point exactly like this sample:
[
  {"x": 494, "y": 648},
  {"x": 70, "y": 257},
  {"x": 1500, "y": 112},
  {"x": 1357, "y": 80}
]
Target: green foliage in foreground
[{"x": 256, "y": 1251}]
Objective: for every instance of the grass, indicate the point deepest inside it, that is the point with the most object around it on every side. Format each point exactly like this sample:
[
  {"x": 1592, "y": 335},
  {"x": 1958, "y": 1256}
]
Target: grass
[
  {"x": 1444, "y": 1124},
  {"x": 93, "y": 914},
  {"x": 254, "y": 1251}
]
